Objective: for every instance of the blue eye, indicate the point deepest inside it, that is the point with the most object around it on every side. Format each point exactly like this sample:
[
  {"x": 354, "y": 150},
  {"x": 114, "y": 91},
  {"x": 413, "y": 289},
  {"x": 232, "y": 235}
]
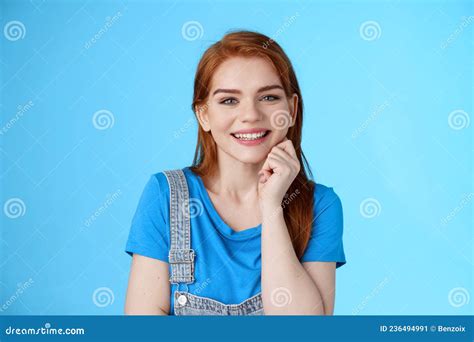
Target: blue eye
[
  {"x": 270, "y": 98},
  {"x": 229, "y": 101}
]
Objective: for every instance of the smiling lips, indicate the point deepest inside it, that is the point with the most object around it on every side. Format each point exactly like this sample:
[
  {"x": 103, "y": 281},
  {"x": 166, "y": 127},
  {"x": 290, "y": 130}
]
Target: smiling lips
[{"x": 251, "y": 137}]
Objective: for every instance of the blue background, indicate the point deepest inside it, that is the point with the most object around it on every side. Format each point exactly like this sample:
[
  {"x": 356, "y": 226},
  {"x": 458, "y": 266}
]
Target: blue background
[{"x": 377, "y": 128}]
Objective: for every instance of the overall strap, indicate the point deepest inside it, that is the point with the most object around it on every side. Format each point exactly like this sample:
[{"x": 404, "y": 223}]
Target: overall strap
[{"x": 181, "y": 256}]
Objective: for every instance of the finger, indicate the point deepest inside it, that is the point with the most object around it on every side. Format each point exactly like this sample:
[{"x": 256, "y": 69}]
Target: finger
[
  {"x": 266, "y": 170},
  {"x": 266, "y": 167},
  {"x": 272, "y": 164},
  {"x": 280, "y": 151},
  {"x": 288, "y": 146},
  {"x": 288, "y": 161},
  {"x": 291, "y": 161},
  {"x": 264, "y": 175},
  {"x": 283, "y": 141},
  {"x": 279, "y": 156},
  {"x": 278, "y": 163}
]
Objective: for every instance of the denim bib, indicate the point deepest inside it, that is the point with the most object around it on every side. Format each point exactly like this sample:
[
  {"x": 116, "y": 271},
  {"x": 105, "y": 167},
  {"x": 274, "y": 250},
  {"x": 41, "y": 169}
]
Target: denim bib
[{"x": 181, "y": 260}]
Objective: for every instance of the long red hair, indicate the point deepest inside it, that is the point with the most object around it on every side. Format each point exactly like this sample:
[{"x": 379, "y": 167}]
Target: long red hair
[{"x": 298, "y": 202}]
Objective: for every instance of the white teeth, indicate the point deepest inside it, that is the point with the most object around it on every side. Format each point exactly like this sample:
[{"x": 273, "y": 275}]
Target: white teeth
[{"x": 249, "y": 136}]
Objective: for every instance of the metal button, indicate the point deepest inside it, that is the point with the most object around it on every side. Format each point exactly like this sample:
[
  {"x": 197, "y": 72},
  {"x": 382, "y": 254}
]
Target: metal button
[{"x": 182, "y": 300}]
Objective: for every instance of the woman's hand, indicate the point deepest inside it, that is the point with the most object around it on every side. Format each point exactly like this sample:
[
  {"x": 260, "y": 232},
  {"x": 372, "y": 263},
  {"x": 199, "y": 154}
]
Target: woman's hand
[{"x": 278, "y": 172}]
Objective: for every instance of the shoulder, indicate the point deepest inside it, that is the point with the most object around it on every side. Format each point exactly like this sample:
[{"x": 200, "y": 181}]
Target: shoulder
[
  {"x": 159, "y": 183},
  {"x": 160, "y": 178},
  {"x": 325, "y": 197},
  {"x": 154, "y": 202},
  {"x": 155, "y": 186}
]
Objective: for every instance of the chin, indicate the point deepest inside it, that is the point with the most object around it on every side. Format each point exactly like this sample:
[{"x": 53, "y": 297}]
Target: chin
[
  {"x": 250, "y": 155},
  {"x": 248, "y": 159}
]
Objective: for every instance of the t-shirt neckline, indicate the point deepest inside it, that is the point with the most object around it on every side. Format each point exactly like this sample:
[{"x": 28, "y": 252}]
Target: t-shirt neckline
[{"x": 222, "y": 226}]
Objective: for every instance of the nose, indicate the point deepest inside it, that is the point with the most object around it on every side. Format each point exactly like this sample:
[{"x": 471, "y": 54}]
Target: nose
[{"x": 250, "y": 113}]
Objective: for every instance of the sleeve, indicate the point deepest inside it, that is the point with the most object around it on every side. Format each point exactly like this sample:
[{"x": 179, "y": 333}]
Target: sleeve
[
  {"x": 325, "y": 243},
  {"x": 149, "y": 235}
]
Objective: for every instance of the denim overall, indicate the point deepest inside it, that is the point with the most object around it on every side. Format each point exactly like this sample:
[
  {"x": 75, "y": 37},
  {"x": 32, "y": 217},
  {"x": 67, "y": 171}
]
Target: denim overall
[{"x": 181, "y": 260}]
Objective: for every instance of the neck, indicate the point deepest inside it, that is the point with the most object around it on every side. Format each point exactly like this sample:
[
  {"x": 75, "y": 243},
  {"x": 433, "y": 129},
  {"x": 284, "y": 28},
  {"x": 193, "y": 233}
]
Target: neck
[{"x": 234, "y": 178}]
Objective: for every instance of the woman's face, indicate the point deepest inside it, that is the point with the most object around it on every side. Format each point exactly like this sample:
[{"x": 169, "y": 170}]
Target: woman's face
[{"x": 247, "y": 110}]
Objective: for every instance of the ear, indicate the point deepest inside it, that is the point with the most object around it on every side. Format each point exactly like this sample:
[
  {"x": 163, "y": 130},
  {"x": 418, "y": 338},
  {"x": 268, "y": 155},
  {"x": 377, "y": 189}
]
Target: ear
[
  {"x": 203, "y": 117},
  {"x": 293, "y": 108}
]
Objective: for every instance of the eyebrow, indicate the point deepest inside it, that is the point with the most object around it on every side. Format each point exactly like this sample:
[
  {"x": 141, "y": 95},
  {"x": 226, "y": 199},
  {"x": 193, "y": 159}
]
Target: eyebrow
[{"x": 237, "y": 91}]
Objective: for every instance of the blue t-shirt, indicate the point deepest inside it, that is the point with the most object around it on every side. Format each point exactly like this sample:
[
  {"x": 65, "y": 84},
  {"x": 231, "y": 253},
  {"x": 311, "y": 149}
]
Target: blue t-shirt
[{"x": 227, "y": 262}]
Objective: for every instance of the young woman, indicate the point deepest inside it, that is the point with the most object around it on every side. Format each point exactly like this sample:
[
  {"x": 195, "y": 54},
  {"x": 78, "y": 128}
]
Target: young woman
[{"x": 243, "y": 231}]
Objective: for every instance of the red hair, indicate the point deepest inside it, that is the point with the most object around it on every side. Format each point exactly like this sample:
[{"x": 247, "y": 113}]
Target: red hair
[{"x": 299, "y": 199}]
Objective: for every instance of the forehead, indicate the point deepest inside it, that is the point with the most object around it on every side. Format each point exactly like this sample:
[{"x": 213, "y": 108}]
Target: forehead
[{"x": 245, "y": 73}]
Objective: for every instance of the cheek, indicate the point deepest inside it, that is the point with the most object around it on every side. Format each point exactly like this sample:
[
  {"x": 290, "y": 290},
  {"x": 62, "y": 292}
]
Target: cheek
[
  {"x": 220, "y": 122},
  {"x": 277, "y": 136},
  {"x": 221, "y": 129},
  {"x": 279, "y": 117}
]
